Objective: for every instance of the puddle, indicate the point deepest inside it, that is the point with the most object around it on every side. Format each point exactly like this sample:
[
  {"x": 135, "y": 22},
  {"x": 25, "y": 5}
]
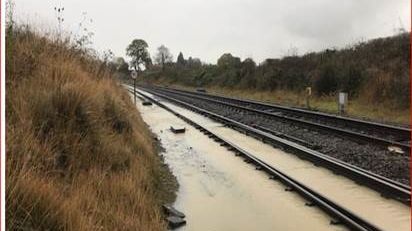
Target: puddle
[
  {"x": 385, "y": 213},
  {"x": 218, "y": 191}
]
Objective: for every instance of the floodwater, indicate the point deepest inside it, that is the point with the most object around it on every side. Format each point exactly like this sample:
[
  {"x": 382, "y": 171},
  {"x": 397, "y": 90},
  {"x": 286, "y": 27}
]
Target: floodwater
[{"x": 218, "y": 191}]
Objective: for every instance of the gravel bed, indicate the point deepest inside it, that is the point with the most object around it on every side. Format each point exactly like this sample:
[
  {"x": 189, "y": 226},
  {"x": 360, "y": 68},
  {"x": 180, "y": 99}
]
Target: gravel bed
[
  {"x": 373, "y": 158},
  {"x": 362, "y": 129}
]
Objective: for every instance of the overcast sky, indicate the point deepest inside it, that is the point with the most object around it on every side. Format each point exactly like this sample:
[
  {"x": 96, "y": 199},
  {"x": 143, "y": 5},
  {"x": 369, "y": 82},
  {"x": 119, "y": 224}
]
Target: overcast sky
[{"x": 208, "y": 28}]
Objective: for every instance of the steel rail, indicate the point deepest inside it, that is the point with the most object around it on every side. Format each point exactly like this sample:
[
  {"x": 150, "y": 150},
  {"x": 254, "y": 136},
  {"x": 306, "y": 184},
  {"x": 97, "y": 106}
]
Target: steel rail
[
  {"x": 344, "y": 119},
  {"x": 294, "y": 139},
  {"x": 348, "y": 133},
  {"x": 337, "y": 211},
  {"x": 383, "y": 185},
  {"x": 298, "y": 141}
]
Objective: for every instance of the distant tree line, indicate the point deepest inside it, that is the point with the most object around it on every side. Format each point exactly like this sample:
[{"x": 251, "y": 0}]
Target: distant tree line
[{"x": 376, "y": 71}]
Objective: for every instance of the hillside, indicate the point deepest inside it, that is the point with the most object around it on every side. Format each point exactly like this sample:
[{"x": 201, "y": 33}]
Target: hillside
[
  {"x": 375, "y": 73},
  {"x": 79, "y": 156}
]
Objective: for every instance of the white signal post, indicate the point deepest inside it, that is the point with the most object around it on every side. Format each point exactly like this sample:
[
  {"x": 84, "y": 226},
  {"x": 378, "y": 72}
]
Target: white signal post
[
  {"x": 134, "y": 77},
  {"x": 342, "y": 102}
]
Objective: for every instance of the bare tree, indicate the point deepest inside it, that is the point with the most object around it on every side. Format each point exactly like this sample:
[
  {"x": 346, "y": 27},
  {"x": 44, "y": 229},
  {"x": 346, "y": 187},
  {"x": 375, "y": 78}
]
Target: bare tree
[{"x": 163, "y": 56}]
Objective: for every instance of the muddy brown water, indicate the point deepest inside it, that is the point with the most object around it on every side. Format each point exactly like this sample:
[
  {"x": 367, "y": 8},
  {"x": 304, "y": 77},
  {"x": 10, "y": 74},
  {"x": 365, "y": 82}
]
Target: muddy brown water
[{"x": 218, "y": 191}]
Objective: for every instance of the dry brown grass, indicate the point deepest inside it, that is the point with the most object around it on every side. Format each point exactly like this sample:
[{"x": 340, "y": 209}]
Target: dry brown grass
[
  {"x": 79, "y": 157},
  {"x": 360, "y": 108}
]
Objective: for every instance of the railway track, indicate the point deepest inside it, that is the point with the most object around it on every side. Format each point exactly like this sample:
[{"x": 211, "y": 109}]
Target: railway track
[
  {"x": 387, "y": 187},
  {"x": 373, "y": 157},
  {"x": 339, "y": 214},
  {"x": 355, "y": 129}
]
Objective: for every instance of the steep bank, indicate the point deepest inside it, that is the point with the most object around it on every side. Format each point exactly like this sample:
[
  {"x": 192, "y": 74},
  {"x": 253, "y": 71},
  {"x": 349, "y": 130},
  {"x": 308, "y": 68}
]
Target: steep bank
[{"x": 79, "y": 156}]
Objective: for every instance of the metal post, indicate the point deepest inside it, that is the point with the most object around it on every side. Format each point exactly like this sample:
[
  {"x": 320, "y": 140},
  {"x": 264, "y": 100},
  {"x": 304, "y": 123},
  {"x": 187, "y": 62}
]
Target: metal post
[
  {"x": 134, "y": 77},
  {"x": 342, "y": 102},
  {"x": 134, "y": 90},
  {"x": 308, "y": 94}
]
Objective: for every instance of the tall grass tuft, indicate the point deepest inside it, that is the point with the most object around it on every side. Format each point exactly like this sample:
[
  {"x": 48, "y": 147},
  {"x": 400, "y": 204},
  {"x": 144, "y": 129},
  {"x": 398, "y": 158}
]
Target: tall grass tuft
[{"x": 79, "y": 156}]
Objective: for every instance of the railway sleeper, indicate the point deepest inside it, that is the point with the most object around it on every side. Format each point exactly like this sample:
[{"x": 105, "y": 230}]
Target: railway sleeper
[
  {"x": 217, "y": 140},
  {"x": 247, "y": 160},
  {"x": 310, "y": 204},
  {"x": 299, "y": 119},
  {"x": 330, "y": 165},
  {"x": 230, "y": 148},
  {"x": 335, "y": 222},
  {"x": 273, "y": 177},
  {"x": 289, "y": 189}
]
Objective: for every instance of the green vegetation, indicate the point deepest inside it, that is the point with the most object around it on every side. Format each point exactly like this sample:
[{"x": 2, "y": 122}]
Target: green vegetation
[
  {"x": 137, "y": 50},
  {"x": 374, "y": 73},
  {"x": 79, "y": 156},
  {"x": 357, "y": 108}
]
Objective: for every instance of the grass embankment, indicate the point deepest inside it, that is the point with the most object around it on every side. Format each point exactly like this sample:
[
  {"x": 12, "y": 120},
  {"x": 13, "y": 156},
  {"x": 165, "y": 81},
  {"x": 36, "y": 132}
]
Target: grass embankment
[
  {"x": 79, "y": 156},
  {"x": 375, "y": 73},
  {"x": 356, "y": 107}
]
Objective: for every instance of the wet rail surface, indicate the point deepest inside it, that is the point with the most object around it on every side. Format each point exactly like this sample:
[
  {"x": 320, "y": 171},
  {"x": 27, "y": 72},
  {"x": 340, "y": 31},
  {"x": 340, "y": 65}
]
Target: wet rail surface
[
  {"x": 377, "y": 133},
  {"x": 385, "y": 186},
  {"x": 217, "y": 189},
  {"x": 373, "y": 158},
  {"x": 341, "y": 214}
]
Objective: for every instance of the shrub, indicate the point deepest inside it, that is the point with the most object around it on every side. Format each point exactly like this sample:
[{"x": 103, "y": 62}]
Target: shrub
[
  {"x": 327, "y": 71},
  {"x": 327, "y": 82}
]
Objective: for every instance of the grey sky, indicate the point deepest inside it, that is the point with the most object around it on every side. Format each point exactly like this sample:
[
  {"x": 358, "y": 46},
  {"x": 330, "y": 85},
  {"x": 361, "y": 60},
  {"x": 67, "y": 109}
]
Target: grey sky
[{"x": 208, "y": 28}]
